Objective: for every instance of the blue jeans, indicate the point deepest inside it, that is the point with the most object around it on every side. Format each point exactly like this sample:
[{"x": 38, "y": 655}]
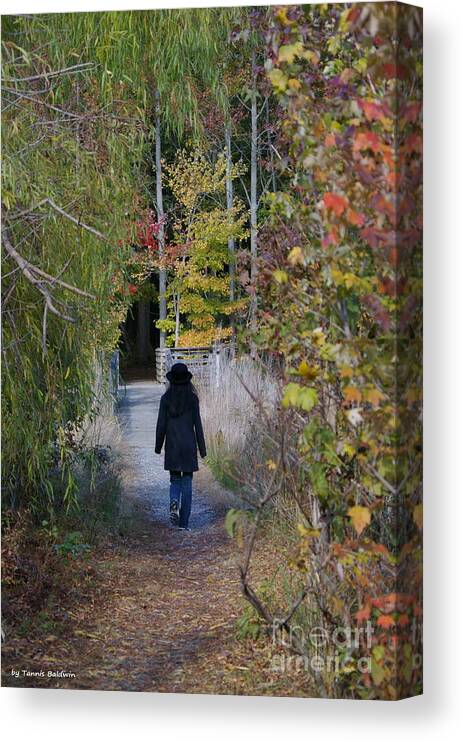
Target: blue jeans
[{"x": 181, "y": 491}]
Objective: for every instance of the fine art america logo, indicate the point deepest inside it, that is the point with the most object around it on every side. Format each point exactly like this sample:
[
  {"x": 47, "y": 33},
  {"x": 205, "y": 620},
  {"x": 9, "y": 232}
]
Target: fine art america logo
[{"x": 328, "y": 651}]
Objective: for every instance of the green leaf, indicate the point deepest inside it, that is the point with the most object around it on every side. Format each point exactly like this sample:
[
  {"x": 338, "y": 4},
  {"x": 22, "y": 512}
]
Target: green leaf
[
  {"x": 296, "y": 396},
  {"x": 290, "y": 397},
  {"x": 378, "y": 672},
  {"x": 309, "y": 431},
  {"x": 278, "y": 79},
  {"x": 231, "y": 520},
  {"x": 319, "y": 480},
  {"x": 307, "y": 398},
  {"x": 288, "y": 52},
  {"x": 280, "y": 276}
]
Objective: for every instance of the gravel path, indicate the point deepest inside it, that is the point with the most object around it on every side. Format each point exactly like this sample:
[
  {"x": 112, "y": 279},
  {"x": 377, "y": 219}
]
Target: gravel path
[{"x": 146, "y": 479}]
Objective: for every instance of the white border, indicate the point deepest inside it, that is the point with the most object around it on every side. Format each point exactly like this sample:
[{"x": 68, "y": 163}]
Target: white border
[{"x": 72, "y": 715}]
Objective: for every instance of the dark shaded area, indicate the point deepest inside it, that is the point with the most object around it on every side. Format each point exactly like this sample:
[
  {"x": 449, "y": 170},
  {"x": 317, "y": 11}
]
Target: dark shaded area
[{"x": 139, "y": 339}]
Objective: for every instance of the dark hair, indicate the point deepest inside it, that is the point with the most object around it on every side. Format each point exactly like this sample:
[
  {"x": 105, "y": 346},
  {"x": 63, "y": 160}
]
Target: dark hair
[{"x": 180, "y": 398}]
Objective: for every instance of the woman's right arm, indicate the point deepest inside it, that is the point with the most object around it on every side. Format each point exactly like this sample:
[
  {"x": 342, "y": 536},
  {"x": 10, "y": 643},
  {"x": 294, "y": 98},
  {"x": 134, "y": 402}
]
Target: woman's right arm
[{"x": 161, "y": 426}]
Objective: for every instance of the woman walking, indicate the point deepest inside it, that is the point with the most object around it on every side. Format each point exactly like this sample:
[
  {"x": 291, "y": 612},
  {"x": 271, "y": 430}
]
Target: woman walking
[{"x": 179, "y": 427}]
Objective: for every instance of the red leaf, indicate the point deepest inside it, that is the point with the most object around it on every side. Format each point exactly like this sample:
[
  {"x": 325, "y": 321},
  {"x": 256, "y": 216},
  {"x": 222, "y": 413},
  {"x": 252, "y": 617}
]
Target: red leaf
[
  {"x": 335, "y": 203},
  {"x": 331, "y": 238},
  {"x": 386, "y": 622},
  {"x": 392, "y": 287},
  {"x": 367, "y": 140},
  {"x": 413, "y": 144},
  {"x": 393, "y": 71},
  {"x": 380, "y": 203},
  {"x": 373, "y": 111},
  {"x": 354, "y": 14},
  {"x": 386, "y": 603},
  {"x": 411, "y": 112},
  {"x": 363, "y": 614},
  {"x": 355, "y": 218},
  {"x": 376, "y": 237}
]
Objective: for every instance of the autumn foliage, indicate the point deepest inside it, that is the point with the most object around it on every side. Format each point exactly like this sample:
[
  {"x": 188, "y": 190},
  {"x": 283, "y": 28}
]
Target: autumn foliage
[{"x": 340, "y": 287}]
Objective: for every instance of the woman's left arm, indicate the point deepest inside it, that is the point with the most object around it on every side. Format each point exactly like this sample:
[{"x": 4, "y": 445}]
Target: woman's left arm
[{"x": 199, "y": 430}]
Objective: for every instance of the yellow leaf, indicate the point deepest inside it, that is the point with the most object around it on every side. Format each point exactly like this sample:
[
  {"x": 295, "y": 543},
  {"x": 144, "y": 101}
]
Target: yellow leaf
[
  {"x": 352, "y": 394},
  {"x": 278, "y": 79},
  {"x": 280, "y": 276},
  {"x": 309, "y": 372},
  {"x": 295, "y": 256},
  {"x": 288, "y": 52},
  {"x": 311, "y": 56},
  {"x": 294, "y": 84},
  {"x": 418, "y": 516},
  {"x": 337, "y": 276},
  {"x": 349, "y": 280},
  {"x": 360, "y": 518},
  {"x": 282, "y": 18},
  {"x": 344, "y": 24},
  {"x": 318, "y": 337},
  {"x": 373, "y": 396},
  {"x": 308, "y": 532},
  {"x": 348, "y": 449}
]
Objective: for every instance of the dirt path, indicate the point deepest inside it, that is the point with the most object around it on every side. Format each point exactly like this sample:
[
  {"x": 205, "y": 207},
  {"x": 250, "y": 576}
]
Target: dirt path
[
  {"x": 158, "y": 609},
  {"x": 174, "y": 594},
  {"x": 165, "y": 596}
]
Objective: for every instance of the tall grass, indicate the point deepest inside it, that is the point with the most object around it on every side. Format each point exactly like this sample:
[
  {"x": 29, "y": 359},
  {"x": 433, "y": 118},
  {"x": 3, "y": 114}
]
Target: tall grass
[
  {"x": 47, "y": 554},
  {"x": 229, "y": 413}
]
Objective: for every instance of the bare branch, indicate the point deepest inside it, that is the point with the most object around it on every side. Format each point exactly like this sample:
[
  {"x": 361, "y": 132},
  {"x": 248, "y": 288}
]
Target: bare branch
[
  {"x": 76, "y": 68},
  {"x": 31, "y": 272},
  {"x": 372, "y": 470},
  {"x": 44, "y": 329},
  {"x": 61, "y": 211},
  {"x": 27, "y": 270},
  {"x": 45, "y": 105}
]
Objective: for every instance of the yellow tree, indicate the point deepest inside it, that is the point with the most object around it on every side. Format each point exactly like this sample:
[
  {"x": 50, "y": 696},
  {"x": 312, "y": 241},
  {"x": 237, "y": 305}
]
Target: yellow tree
[{"x": 199, "y": 301}]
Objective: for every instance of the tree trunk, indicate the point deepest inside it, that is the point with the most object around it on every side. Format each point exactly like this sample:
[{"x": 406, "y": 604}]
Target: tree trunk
[
  {"x": 270, "y": 148},
  {"x": 160, "y": 213},
  {"x": 143, "y": 332},
  {"x": 230, "y": 203},
  {"x": 177, "y": 307},
  {"x": 254, "y": 190}
]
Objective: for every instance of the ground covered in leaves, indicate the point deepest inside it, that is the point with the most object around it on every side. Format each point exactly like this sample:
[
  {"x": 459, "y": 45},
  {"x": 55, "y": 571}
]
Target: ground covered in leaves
[{"x": 153, "y": 608}]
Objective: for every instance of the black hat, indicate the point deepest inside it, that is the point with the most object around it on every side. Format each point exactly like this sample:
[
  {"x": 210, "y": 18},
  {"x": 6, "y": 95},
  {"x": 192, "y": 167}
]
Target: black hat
[{"x": 179, "y": 374}]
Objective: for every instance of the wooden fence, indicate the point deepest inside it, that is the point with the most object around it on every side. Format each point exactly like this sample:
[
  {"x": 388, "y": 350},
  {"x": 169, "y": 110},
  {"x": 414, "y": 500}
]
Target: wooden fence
[
  {"x": 204, "y": 363},
  {"x": 108, "y": 383}
]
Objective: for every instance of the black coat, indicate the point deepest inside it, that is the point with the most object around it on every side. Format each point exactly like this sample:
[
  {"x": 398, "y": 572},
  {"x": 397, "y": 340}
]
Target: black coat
[{"x": 182, "y": 433}]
